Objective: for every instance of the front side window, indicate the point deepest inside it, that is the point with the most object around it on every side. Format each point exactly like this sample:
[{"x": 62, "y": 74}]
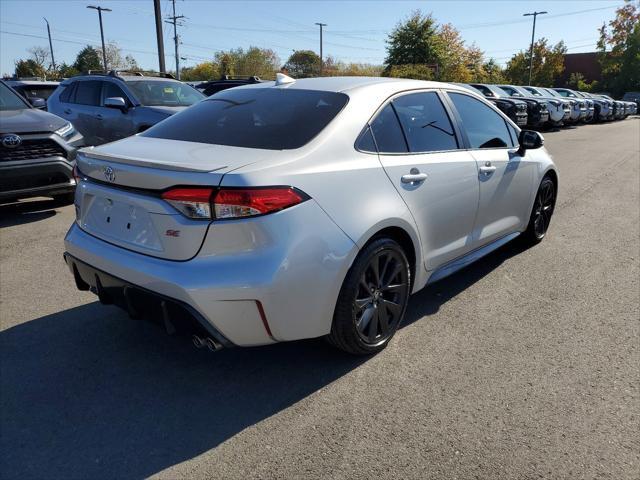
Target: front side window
[
  {"x": 111, "y": 90},
  {"x": 533, "y": 91},
  {"x": 484, "y": 90},
  {"x": 485, "y": 128},
  {"x": 87, "y": 93},
  {"x": 160, "y": 93},
  {"x": 425, "y": 122},
  {"x": 266, "y": 118},
  {"x": 511, "y": 91},
  {"x": 10, "y": 100},
  {"x": 387, "y": 132}
]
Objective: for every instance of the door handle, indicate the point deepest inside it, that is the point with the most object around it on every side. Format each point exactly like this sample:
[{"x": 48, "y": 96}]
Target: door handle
[
  {"x": 67, "y": 111},
  {"x": 99, "y": 116},
  {"x": 414, "y": 177},
  {"x": 487, "y": 170}
]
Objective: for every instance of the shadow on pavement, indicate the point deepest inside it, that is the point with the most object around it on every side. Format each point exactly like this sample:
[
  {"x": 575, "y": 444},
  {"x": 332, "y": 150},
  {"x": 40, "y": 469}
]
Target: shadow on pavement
[
  {"x": 89, "y": 393},
  {"x": 19, "y": 213}
]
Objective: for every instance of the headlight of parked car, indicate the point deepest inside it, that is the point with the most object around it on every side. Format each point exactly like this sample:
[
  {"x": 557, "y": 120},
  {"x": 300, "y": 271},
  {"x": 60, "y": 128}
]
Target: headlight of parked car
[{"x": 67, "y": 131}]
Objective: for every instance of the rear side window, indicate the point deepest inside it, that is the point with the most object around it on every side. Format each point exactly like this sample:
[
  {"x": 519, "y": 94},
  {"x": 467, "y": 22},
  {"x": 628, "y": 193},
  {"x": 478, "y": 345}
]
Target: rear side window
[
  {"x": 67, "y": 93},
  {"x": 485, "y": 128},
  {"x": 88, "y": 93},
  {"x": 388, "y": 133},
  {"x": 266, "y": 118},
  {"x": 365, "y": 142},
  {"x": 425, "y": 122}
]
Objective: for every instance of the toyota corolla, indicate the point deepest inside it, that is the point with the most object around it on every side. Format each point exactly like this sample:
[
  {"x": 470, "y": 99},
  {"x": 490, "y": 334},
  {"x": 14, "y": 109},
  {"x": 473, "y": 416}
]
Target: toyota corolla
[{"x": 297, "y": 209}]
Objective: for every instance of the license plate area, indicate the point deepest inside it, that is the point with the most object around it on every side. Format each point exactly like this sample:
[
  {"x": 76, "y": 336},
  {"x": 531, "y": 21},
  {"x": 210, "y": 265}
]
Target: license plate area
[{"x": 121, "y": 221}]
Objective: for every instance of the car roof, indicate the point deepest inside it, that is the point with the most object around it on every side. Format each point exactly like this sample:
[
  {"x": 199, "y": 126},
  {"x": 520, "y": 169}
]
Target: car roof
[
  {"x": 348, "y": 84},
  {"x": 15, "y": 83}
]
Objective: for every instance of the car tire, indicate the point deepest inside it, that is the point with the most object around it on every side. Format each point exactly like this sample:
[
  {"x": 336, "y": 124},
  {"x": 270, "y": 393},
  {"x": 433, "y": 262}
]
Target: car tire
[
  {"x": 373, "y": 299},
  {"x": 64, "y": 198},
  {"x": 543, "y": 207}
]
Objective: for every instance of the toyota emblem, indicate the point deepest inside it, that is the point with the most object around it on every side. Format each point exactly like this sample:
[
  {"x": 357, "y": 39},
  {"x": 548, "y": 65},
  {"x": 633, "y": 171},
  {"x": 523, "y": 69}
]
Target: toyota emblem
[
  {"x": 11, "y": 141},
  {"x": 109, "y": 174}
]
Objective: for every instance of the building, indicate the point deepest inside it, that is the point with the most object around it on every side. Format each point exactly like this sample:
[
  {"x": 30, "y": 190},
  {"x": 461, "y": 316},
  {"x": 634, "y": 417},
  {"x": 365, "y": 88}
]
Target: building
[{"x": 585, "y": 63}]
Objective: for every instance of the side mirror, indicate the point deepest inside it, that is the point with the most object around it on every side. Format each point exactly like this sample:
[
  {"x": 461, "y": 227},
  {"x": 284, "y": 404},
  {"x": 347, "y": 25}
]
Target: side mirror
[
  {"x": 37, "y": 102},
  {"x": 529, "y": 139},
  {"x": 116, "y": 102}
]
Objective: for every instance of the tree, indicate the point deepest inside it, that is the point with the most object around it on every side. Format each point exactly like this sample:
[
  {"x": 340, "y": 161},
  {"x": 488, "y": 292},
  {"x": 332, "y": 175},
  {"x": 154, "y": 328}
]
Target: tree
[
  {"x": 226, "y": 63},
  {"x": 619, "y": 47},
  {"x": 87, "y": 59},
  {"x": 202, "y": 71},
  {"x": 303, "y": 63},
  {"x": 414, "y": 42},
  {"x": 416, "y": 72},
  {"x": 262, "y": 62},
  {"x": 577, "y": 82},
  {"x": 66, "y": 71},
  {"x": 29, "y": 68},
  {"x": 548, "y": 64},
  {"x": 40, "y": 55},
  {"x": 116, "y": 60},
  {"x": 491, "y": 73}
]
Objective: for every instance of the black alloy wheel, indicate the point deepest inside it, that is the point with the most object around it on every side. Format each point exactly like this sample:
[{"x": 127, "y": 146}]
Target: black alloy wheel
[
  {"x": 543, "y": 207},
  {"x": 373, "y": 299}
]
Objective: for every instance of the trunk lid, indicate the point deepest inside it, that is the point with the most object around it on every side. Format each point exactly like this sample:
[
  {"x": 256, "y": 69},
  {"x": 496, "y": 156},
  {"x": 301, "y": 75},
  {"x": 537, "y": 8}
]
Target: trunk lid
[{"x": 120, "y": 196}]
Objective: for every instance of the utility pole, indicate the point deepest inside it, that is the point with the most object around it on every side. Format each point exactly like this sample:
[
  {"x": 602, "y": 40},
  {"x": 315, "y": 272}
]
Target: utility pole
[
  {"x": 53, "y": 61},
  {"x": 174, "y": 21},
  {"x": 104, "y": 51},
  {"x": 533, "y": 34},
  {"x": 156, "y": 8},
  {"x": 321, "y": 58}
]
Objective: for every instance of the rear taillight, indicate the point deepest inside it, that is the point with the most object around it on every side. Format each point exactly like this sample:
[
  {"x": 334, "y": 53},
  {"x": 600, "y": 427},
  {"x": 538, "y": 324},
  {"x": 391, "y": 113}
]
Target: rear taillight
[
  {"x": 248, "y": 202},
  {"x": 76, "y": 173},
  {"x": 191, "y": 202},
  {"x": 227, "y": 203}
]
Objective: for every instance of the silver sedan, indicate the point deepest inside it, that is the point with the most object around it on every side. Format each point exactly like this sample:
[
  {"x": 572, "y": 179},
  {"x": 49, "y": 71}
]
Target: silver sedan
[{"x": 298, "y": 209}]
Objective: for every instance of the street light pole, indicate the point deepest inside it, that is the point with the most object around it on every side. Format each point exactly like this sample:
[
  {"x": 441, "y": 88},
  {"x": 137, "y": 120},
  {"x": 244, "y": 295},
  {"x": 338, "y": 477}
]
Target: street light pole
[
  {"x": 533, "y": 34},
  {"x": 104, "y": 51},
  {"x": 53, "y": 60},
  {"x": 159, "y": 39},
  {"x": 321, "y": 58}
]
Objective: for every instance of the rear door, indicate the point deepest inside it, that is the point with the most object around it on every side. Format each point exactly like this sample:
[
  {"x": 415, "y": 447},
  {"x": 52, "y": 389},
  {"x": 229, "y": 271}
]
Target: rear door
[
  {"x": 420, "y": 150},
  {"x": 505, "y": 178},
  {"x": 82, "y": 105}
]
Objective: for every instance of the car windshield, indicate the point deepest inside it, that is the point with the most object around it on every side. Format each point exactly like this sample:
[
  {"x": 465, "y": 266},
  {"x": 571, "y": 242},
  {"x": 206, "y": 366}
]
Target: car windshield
[
  {"x": 513, "y": 92},
  {"x": 10, "y": 100},
  {"x": 159, "y": 93},
  {"x": 533, "y": 91},
  {"x": 266, "y": 118},
  {"x": 552, "y": 92}
]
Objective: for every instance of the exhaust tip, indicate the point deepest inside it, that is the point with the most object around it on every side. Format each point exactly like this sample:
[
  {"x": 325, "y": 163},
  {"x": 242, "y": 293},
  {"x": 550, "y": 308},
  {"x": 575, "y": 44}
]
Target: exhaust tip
[
  {"x": 213, "y": 345},
  {"x": 197, "y": 341}
]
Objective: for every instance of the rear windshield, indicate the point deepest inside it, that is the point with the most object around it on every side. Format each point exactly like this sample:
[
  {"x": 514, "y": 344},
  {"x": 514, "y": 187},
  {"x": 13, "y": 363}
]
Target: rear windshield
[
  {"x": 158, "y": 93},
  {"x": 266, "y": 118},
  {"x": 36, "y": 91}
]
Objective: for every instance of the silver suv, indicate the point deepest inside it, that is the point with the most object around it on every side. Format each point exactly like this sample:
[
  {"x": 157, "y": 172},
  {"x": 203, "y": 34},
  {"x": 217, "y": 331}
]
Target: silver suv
[{"x": 108, "y": 107}]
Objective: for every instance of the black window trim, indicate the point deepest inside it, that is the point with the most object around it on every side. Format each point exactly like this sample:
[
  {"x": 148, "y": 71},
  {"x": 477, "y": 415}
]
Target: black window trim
[
  {"x": 507, "y": 120},
  {"x": 460, "y": 140}
]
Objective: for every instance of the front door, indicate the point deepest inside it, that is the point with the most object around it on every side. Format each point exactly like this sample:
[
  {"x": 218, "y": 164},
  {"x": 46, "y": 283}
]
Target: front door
[
  {"x": 505, "y": 178},
  {"x": 419, "y": 150}
]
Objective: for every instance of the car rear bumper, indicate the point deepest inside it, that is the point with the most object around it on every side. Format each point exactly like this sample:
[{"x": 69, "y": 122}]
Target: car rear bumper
[
  {"x": 279, "y": 284},
  {"x": 36, "y": 177}
]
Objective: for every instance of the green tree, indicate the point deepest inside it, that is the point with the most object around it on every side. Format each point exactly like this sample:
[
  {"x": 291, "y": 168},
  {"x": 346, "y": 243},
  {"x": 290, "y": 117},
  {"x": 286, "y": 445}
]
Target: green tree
[
  {"x": 619, "y": 48},
  {"x": 29, "y": 68},
  {"x": 66, "y": 71},
  {"x": 302, "y": 64},
  {"x": 226, "y": 63},
  {"x": 577, "y": 82},
  {"x": 88, "y": 59},
  {"x": 261, "y": 62},
  {"x": 548, "y": 64},
  {"x": 416, "y": 72},
  {"x": 414, "y": 42},
  {"x": 491, "y": 73}
]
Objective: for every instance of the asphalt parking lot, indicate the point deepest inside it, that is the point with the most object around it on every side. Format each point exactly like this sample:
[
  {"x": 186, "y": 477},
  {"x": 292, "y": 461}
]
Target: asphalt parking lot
[{"x": 525, "y": 365}]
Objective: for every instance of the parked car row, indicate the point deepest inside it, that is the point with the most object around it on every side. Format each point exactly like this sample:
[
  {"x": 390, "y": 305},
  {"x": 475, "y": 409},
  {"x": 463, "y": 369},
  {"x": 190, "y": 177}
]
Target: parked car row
[{"x": 542, "y": 107}]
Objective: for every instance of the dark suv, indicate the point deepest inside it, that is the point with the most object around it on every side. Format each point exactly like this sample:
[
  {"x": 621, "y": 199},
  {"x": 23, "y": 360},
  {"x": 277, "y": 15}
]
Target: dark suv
[
  {"x": 108, "y": 107},
  {"x": 226, "y": 81},
  {"x": 37, "y": 150}
]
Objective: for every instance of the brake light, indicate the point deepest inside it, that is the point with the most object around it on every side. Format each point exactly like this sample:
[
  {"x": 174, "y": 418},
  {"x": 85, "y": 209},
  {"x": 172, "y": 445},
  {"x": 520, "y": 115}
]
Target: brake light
[
  {"x": 191, "y": 202},
  {"x": 248, "y": 202},
  {"x": 76, "y": 173},
  {"x": 226, "y": 203}
]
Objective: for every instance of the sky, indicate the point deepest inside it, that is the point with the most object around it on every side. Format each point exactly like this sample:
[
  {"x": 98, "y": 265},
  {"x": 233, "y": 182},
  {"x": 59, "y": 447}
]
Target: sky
[{"x": 356, "y": 30}]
